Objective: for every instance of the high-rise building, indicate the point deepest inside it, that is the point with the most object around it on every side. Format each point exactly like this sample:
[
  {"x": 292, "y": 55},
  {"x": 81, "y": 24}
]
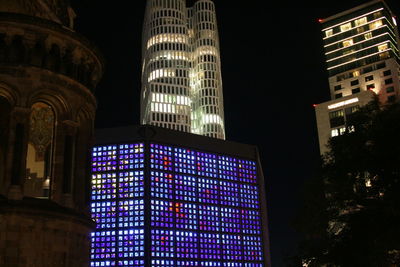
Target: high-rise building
[
  {"x": 164, "y": 198},
  {"x": 362, "y": 57},
  {"x": 181, "y": 71},
  {"x": 48, "y": 74}
]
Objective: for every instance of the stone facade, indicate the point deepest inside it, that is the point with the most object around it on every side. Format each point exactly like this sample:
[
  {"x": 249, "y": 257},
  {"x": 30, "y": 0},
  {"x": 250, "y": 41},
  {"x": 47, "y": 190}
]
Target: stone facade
[{"x": 42, "y": 60}]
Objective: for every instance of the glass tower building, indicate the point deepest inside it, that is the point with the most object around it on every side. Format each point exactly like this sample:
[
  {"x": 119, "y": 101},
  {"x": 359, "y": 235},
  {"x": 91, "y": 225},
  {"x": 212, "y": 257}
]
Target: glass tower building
[
  {"x": 181, "y": 68},
  {"x": 361, "y": 47},
  {"x": 164, "y": 198}
]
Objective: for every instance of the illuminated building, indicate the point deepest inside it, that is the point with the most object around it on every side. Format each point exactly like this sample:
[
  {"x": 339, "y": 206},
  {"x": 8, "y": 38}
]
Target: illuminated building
[
  {"x": 362, "y": 57},
  {"x": 168, "y": 198},
  {"x": 181, "y": 71}
]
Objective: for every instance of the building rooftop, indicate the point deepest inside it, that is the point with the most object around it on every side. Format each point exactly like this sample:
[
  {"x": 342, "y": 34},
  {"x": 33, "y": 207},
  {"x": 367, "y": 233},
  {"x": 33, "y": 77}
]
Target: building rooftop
[{"x": 163, "y": 135}]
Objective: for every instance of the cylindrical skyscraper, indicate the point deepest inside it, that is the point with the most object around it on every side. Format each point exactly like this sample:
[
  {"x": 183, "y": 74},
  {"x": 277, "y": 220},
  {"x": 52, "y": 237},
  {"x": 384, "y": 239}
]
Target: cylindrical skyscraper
[{"x": 181, "y": 75}]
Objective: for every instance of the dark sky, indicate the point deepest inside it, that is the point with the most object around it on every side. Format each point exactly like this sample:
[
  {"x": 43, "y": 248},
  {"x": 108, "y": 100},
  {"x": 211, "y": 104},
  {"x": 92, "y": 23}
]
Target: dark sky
[{"x": 273, "y": 72}]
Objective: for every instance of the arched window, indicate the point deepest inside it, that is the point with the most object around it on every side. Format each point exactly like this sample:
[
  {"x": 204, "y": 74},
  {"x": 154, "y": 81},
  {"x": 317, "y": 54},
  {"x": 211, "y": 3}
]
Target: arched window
[{"x": 40, "y": 151}]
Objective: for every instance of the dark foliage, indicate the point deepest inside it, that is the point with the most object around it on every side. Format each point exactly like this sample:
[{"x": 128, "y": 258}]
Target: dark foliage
[{"x": 351, "y": 211}]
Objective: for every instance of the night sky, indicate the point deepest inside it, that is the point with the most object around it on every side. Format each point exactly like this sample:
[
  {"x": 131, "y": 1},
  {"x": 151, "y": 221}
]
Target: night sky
[{"x": 273, "y": 72}]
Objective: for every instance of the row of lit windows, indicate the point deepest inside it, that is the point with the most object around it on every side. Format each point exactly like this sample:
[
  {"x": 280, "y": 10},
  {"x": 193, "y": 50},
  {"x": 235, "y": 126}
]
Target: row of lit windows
[
  {"x": 357, "y": 22},
  {"x": 130, "y": 184},
  {"x": 206, "y": 164},
  {"x": 173, "y": 263},
  {"x": 171, "y": 99},
  {"x": 348, "y": 26},
  {"x": 107, "y": 245},
  {"x": 130, "y": 213},
  {"x": 180, "y": 215},
  {"x": 191, "y": 245},
  {"x": 359, "y": 38},
  {"x": 167, "y": 38},
  {"x": 105, "y": 158},
  {"x": 382, "y": 45}
]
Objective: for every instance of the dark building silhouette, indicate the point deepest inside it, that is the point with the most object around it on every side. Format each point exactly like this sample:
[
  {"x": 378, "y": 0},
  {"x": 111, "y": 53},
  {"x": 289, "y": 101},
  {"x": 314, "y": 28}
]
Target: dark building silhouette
[{"x": 47, "y": 108}]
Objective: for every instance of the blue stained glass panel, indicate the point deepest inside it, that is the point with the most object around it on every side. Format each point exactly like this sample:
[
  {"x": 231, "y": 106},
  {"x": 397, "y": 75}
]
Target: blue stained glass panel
[
  {"x": 232, "y": 247},
  {"x": 162, "y": 244},
  {"x": 207, "y": 164},
  {"x": 228, "y": 168},
  {"x": 162, "y": 185},
  {"x": 186, "y": 188},
  {"x": 204, "y": 208},
  {"x": 103, "y": 246},
  {"x": 252, "y": 248},
  {"x": 104, "y": 186},
  {"x": 162, "y": 213},
  {"x": 185, "y": 216},
  {"x": 104, "y": 159},
  {"x": 131, "y": 184},
  {"x": 161, "y": 157},
  {"x": 131, "y": 156},
  {"x": 251, "y": 222},
  {"x": 208, "y": 191},
  {"x": 185, "y": 161},
  {"x": 131, "y": 213},
  {"x": 210, "y": 246},
  {"x": 247, "y": 171},
  {"x": 249, "y": 196},
  {"x": 230, "y": 220},
  {"x": 229, "y": 193},
  {"x": 186, "y": 244},
  {"x": 209, "y": 218}
]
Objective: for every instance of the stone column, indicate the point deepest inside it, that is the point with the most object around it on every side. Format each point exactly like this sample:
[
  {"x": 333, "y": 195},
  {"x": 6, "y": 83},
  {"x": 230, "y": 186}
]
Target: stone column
[
  {"x": 70, "y": 130},
  {"x": 16, "y": 154}
]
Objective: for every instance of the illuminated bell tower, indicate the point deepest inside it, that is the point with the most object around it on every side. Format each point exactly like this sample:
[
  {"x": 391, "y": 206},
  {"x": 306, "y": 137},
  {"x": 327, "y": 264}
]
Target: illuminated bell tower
[
  {"x": 181, "y": 72},
  {"x": 47, "y": 108}
]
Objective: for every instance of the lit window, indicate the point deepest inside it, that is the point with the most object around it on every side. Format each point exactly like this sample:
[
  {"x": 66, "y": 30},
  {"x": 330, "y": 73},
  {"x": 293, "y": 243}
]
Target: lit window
[
  {"x": 329, "y": 33},
  {"x": 39, "y": 155},
  {"x": 334, "y": 132},
  {"x": 345, "y": 27},
  {"x": 348, "y": 42},
  {"x": 360, "y": 21},
  {"x": 375, "y": 24},
  {"x": 368, "y": 35},
  {"x": 356, "y": 73},
  {"x": 383, "y": 47},
  {"x": 167, "y": 38}
]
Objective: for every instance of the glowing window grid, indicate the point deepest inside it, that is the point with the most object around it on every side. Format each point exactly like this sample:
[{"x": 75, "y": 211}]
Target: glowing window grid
[
  {"x": 204, "y": 208},
  {"x": 117, "y": 205}
]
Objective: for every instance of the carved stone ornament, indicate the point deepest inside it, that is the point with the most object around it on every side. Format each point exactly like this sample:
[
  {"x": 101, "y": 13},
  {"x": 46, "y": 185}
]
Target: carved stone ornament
[{"x": 41, "y": 129}]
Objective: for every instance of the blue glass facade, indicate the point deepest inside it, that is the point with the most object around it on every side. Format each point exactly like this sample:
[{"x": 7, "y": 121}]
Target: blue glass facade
[{"x": 161, "y": 205}]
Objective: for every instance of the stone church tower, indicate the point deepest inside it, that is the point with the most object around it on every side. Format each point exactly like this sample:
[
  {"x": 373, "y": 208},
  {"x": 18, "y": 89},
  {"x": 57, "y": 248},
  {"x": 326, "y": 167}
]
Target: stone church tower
[{"x": 48, "y": 74}]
